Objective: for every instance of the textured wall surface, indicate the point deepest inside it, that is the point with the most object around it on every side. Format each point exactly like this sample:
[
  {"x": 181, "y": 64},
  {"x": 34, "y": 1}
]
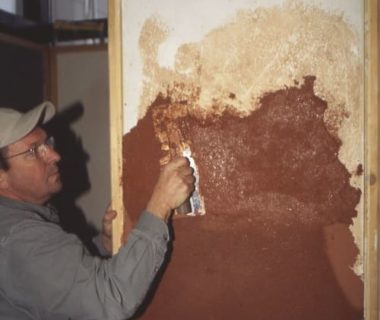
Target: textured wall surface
[{"x": 270, "y": 100}]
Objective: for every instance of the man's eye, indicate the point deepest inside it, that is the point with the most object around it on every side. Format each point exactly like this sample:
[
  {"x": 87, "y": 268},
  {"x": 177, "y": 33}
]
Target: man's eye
[{"x": 31, "y": 153}]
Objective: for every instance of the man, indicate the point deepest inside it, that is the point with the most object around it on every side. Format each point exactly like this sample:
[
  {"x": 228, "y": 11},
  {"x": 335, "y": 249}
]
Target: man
[{"x": 46, "y": 273}]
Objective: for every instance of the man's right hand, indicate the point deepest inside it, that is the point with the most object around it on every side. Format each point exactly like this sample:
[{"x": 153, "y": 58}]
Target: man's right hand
[{"x": 174, "y": 186}]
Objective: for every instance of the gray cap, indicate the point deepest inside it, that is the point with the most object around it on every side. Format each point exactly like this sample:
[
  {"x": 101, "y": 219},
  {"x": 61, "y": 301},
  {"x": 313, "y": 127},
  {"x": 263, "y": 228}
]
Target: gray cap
[{"x": 15, "y": 125}]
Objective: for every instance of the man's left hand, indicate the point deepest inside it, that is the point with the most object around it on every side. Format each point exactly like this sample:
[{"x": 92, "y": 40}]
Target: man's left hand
[{"x": 106, "y": 235}]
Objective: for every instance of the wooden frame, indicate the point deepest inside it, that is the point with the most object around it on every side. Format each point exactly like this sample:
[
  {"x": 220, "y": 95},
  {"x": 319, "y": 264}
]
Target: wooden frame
[
  {"x": 371, "y": 267},
  {"x": 116, "y": 117},
  {"x": 371, "y": 226}
]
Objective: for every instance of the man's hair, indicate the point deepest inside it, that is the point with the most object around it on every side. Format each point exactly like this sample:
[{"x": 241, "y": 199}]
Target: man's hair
[{"x": 3, "y": 162}]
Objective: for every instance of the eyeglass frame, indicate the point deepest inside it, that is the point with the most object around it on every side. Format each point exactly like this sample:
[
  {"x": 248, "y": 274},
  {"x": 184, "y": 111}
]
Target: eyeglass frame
[{"x": 48, "y": 143}]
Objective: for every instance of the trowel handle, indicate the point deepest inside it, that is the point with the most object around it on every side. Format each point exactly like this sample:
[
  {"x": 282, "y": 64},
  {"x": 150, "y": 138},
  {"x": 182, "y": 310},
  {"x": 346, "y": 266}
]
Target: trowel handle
[{"x": 185, "y": 207}]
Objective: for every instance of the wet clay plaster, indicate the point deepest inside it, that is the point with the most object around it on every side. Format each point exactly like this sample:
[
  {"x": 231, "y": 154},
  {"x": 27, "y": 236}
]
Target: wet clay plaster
[{"x": 275, "y": 242}]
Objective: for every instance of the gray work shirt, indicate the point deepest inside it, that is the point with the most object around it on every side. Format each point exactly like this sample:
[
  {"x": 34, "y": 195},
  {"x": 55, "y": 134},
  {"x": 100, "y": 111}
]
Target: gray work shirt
[{"x": 46, "y": 273}]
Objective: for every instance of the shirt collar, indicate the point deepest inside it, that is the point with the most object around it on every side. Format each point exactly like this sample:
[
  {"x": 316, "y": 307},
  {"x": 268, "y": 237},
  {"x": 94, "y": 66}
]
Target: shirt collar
[{"x": 47, "y": 212}]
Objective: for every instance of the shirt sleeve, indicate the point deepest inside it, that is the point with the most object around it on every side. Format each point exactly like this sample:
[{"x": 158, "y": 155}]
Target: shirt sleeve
[{"x": 51, "y": 273}]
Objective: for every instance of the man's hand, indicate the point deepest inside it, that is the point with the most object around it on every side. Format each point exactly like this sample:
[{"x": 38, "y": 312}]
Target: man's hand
[
  {"x": 106, "y": 235},
  {"x": 174, "y": 186}
]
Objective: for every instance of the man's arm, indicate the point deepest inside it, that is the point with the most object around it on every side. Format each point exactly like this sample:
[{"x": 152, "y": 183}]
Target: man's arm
[
  {"x": 176, "y": 182},
  {"x": 51, "y": 273}
]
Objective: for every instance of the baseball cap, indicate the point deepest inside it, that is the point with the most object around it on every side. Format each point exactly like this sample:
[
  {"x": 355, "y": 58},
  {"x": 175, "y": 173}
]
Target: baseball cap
[{"x": 15, "y": 125}]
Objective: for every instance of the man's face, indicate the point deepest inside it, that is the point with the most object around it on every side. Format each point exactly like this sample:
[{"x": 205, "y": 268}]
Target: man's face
[{"x": 31, "y": 178}]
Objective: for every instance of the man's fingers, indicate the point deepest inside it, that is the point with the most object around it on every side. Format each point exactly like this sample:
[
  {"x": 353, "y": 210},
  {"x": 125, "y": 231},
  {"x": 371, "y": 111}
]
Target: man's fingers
[
  {"x": 187, "y": 176},
  {"x": 108, "y": 217},
  {"x": 188, "y": 179},
  {"x": 178, "y": 162},
  {"x": 186, "y": 171}
]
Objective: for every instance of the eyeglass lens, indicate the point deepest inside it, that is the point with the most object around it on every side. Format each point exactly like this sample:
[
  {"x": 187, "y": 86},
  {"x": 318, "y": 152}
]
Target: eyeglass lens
[{"x": 42, "y": 148}]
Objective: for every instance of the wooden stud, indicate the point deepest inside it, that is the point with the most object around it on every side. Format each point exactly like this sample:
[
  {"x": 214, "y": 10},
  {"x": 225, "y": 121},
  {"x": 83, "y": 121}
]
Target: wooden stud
[
  {"x": 116, "y": 118},
  {"x": 371, "y": 269}
]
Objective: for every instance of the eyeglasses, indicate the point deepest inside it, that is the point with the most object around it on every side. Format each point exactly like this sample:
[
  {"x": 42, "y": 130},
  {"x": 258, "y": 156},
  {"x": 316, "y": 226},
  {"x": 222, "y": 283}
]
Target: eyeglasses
[{"x": 38, "y": 150}]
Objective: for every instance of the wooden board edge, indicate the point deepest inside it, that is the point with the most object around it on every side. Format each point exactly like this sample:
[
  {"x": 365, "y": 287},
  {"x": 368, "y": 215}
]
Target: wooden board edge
[
  {"x": 116, "y": 118},
  {"x": 371, "y": 264},
  {"x": 81, "y": 48},
  {"x": 21, "y": 42}
]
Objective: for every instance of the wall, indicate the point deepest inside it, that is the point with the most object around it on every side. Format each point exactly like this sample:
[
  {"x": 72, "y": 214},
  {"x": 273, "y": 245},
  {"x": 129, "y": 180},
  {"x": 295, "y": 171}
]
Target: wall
[
  {"x": 267, "y": 97},
  {"x": 82, "y": 91}
]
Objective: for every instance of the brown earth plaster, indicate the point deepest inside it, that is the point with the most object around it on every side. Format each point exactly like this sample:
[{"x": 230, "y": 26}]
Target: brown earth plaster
[{"x": 275, "y": 240}]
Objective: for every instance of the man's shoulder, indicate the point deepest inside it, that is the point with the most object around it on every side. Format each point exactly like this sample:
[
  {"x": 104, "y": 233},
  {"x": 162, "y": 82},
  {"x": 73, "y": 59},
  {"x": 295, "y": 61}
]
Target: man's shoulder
[
  {"x": 10, "y": 218},
  {"x": 23, "y": 222}
]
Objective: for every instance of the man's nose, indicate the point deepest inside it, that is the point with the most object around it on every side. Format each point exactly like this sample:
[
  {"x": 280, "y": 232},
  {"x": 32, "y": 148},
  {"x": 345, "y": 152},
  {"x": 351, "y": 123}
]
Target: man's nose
[{"x": 52, "y": 155}]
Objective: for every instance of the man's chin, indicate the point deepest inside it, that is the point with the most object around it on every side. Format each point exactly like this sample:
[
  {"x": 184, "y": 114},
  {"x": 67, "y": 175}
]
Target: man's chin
[{"x": 56, "y": 187}]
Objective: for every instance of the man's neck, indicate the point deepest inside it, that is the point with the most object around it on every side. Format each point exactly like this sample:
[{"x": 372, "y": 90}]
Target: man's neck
[{"x": 10, "y": 195}]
